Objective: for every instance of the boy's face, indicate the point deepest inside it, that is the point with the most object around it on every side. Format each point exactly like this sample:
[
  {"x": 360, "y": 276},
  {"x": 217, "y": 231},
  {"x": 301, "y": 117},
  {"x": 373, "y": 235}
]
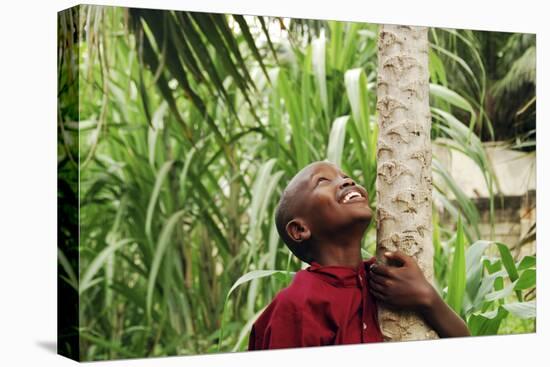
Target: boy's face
[{"x": 330, "y": 201}]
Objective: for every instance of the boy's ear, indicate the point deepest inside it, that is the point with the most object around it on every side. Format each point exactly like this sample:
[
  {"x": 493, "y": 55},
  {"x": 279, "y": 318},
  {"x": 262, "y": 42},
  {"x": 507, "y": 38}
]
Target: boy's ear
[{"x": 298, "y": 230}]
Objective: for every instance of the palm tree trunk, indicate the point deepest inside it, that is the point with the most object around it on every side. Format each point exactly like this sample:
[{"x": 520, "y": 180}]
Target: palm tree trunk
[{"x": 404, "y": 180}]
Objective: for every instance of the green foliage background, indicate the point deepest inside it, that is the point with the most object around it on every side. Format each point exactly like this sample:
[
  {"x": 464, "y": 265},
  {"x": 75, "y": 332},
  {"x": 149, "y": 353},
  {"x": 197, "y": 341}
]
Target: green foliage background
[{"x": 183, "y": 128}]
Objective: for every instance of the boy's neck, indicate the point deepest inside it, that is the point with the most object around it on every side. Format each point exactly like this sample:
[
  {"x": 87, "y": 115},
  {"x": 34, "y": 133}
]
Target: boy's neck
[{"x": 340, "y": 251}]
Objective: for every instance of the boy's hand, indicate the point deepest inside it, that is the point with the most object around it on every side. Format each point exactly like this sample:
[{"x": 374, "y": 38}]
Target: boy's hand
[{"x": 402, "y": 285}]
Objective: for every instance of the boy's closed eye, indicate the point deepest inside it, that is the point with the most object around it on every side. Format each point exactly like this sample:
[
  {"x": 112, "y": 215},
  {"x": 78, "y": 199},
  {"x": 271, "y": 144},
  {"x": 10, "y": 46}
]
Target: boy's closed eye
[{"x": 325, "y": 179}]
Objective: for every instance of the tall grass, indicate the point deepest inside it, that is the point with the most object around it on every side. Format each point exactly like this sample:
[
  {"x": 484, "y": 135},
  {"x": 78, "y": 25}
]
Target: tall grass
[{"x": 190, "y": 125}]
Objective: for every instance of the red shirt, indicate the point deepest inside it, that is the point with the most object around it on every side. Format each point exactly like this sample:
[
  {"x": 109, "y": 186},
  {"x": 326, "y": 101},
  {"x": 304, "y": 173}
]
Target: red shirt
[{"x": 324, "y": 305}]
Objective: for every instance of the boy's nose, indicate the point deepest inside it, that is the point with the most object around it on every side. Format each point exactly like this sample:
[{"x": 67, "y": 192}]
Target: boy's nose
[{"x": 347, "y": 182}]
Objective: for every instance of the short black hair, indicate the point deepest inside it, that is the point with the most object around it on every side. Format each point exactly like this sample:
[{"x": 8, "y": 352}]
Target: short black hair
[{"x": 285, "y": 212}]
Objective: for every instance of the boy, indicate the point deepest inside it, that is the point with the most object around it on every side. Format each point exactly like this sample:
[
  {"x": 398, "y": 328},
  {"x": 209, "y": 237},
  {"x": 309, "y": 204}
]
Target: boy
[{"x": 322, "y": 216}]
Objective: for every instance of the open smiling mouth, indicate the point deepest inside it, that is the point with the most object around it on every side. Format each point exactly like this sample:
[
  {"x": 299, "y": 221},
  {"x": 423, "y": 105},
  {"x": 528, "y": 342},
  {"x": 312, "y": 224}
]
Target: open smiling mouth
[{"x": 352, "y": 196}]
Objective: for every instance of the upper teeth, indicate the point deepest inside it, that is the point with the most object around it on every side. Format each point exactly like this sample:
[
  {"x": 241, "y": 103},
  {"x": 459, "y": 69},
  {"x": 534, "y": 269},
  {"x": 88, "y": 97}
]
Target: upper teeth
[{"x": 351, "y": 195}]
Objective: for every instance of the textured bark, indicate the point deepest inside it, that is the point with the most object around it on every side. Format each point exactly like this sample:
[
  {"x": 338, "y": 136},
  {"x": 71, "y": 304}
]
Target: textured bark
[{"x": 404, "y": 179}]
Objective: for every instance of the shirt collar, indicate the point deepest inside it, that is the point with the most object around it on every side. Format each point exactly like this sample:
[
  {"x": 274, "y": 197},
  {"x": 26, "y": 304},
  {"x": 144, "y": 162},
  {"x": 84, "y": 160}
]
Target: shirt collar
[{"x": 341, "y": 276}]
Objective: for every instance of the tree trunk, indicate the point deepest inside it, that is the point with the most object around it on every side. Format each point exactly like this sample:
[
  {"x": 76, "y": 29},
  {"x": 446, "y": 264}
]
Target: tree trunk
[{"x": 404, "y": 179}]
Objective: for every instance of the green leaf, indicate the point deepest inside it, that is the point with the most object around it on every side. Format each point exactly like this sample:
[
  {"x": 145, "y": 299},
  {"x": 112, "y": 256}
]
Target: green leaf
[
  {"x": 457, "y": 274},
  {"x": 245, "y": 331},
  {"x": 250, "y": 41},
  {"x": 132, "y": 294},
  {"x": 502, "y": 293},
  {"x": 508, "y": 261},
  {"x": 255, "y": 274},
  {"x": 268, "y": 38},
  {"x": 183, "y": 175},
  {"x": 462, "y": 140},
  {"x": 98, "y": 262},
  {"x": 486, "y": 286},
  {"x": 459, "y": 61},
  {"x": 474, "y": 267},
  {"x": 527, "y": 279},
  {"x": 336, "y": 140},
  {"x": 356, "y": 89},
  {"x": 162, "y": 244},
  {"x": 492, "y": 266},
  {"x": 437, "y": 69},
  {"x": 450, "y": 96},
  {"x": 263, "y": 189},
  {"x": 156, "y": 125},
  {"x": 319, "y": 70},
  {"x": 291, "y": 99},
  {"x": 487, "y": 323},
  {"x": 527, "y": 262},
  {"x": 72, "y": 280},
  {"x": 109, "y": 345},
  {"x": 523, "y": 310},
  {"x": 466, "y": 205},
  {"x": 163, "y": 172}
]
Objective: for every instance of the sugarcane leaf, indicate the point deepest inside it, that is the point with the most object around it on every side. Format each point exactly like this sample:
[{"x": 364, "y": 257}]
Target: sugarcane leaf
[
  {"x": 255, "y": 274},
  {"x": 160, "y": 250},
  {"x": 163, "y": 172},
  {"x": 457, "y": 274},
  {"x": 336, "y": 140},
  {"x": 92, "y": 269}
]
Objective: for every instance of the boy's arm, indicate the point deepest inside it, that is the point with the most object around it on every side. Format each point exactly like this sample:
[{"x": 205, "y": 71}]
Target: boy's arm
[
  {"x": 443, "y": 319},
  {"x": 404, "y": 286}
]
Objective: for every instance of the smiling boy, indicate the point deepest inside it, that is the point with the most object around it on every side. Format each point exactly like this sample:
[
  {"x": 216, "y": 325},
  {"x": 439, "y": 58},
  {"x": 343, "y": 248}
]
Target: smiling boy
[{"x": 322, "y": 217}]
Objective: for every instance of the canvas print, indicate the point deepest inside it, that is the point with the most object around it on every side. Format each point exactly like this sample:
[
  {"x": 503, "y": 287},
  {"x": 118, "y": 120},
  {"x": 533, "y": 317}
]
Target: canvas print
[{"x": 238, "y": 182}]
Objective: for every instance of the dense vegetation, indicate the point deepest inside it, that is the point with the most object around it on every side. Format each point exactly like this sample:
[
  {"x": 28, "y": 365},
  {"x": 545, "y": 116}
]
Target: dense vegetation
[{"x": 183, "y": 128}]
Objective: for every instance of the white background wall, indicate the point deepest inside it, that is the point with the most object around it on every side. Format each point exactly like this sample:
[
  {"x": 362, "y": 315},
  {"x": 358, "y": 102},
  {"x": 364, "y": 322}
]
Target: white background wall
[
  {"x": 515, "y": 170},
  {"x": 28, "y": 182}
]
